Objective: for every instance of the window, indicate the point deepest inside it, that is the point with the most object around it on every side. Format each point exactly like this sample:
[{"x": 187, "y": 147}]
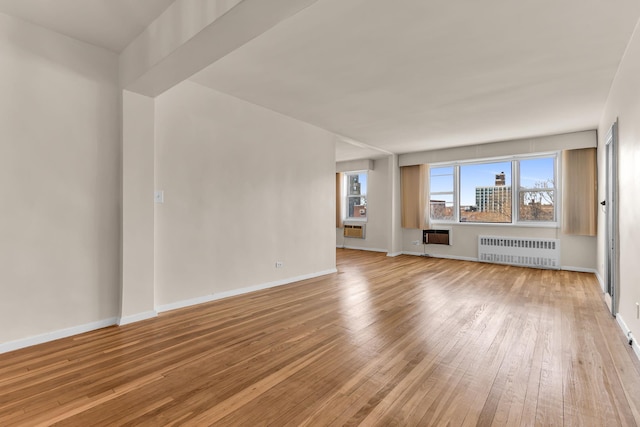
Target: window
[
  {"x": 519, "y": 190},
  {"x": 485, "y": 192},
  {"x": 442, "y": 191},
  {"x": 356, "y": 199},
  {"x": 536, "y": 194}
]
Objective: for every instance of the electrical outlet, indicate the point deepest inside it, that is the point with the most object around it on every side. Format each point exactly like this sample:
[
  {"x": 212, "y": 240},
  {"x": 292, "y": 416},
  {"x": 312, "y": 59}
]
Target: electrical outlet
[
  {"x": 416, "y": 243},
  {"x": 279, "y": 264}
]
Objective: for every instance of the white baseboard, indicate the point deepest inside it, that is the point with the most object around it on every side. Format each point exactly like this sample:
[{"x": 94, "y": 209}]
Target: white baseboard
[
  {"x": 464, "y": 258},
  {"x": 56, "y": 335},
  {"x": 412, "y": 253},
  {"x": 358, "y": 248},
  {"x": 627, "y": 333},
  {"x": 601, "y": 281},
  {"x": 233, "y": 292},
  {"x": 125, "y": 320},
  {"x": 445, "y": 256},
  {"x": 459, "y": 258},
  {"x": 578, "y": 269}
]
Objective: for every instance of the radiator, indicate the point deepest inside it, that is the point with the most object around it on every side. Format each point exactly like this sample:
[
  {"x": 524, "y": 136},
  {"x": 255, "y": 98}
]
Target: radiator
[{"x": 524, "y": 251}]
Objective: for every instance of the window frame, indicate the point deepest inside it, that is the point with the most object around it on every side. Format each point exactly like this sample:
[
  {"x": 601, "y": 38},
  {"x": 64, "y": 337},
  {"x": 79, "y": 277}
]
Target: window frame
[
  {"x": 556, "y": 191},
  {"x": 515, "y": 190},
  {"x": 455, "y": 192},
  {"x": 346, "y": 197},
  {"x": 487, "y": 162}
]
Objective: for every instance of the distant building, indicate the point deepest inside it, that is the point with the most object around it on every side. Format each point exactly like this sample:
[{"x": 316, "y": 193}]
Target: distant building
[
  {"x": 354, "y": 185},
  {"x": 493, "y": 198},
  {"x": 359, "y": 211},
  {"x": 438, "y": 209},
  {"x": 356, "y": 209}
]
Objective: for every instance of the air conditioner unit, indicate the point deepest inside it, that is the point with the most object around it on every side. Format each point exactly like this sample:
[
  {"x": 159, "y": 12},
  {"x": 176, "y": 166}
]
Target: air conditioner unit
[
  {"x": 436, "y": 237},
  {"x": 354, "y": 231}
]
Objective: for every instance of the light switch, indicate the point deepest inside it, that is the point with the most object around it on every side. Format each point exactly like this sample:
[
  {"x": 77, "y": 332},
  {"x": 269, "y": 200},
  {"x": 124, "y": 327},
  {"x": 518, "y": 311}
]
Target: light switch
[{"x": 159, "y": 196}]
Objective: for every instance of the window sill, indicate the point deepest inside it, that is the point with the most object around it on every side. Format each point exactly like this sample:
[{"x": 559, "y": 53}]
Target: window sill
[
  {"x": 357, "y": 220},
  {"x": 498, "y": 224}
]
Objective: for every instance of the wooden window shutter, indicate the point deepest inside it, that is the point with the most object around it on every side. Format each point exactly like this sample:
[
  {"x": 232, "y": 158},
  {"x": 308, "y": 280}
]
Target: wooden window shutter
[
  {"x": 413, "y": 191},
  {"x": 579, "y": 192},
  {"x": 339, "y": 222}
]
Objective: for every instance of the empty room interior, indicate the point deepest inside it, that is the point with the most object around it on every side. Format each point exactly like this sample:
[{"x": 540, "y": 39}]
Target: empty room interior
[{"x": 319, "y": 212}]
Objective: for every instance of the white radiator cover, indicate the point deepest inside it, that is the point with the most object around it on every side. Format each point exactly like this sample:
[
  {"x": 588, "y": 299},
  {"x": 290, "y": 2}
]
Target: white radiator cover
[{"x": 523, "y": 251}]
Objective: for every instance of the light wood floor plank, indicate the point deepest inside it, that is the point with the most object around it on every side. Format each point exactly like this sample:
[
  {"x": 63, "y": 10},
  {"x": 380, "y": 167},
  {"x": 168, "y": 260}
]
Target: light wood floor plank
[{"x": 408, "y": 341}]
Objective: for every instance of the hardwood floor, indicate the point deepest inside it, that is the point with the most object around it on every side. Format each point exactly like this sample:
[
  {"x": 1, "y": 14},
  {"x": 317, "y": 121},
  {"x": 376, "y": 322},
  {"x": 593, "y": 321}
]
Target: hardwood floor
[{"x": 386, "y": 341}]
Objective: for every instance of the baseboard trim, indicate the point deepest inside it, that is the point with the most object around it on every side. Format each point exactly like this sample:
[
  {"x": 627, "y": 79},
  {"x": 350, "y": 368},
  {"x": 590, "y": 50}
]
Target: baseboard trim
[
  {"x": 234, "y": 292},
  {"x": 56, "y": 335},
  {"x": 601, "y": 281},
  {"x": 628, "y": 334},
  {"x": 459, "y": 258},
  {"x": 464, "y": 258},
  {"x": 394, "y": 254},
  {"x": 125, "y": 320},
  {"x": 358, "y": 248},
  {"x": 412, "y": 253},
  {"x": 444, "y": 256},
  {"x": 578, "y": 269}
]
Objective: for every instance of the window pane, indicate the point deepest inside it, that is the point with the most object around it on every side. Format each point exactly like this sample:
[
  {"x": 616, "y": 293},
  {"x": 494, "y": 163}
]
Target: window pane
[
  {"x": 441, "y": 185},
  {"x": 536, "y": 201},
  {"x": 537, "y": 205},
  {"x": 485, "y": 192},
  {"x": 446, "y": 170},
  {"x": 441, "y": 180},
  {"x": 536, "y": 173},
  {"x": 357, "y": 183},
  {"x": 442, "y": 207},
  {"x": 356, "y": 195},
  {"x": 357, "y": 207}
]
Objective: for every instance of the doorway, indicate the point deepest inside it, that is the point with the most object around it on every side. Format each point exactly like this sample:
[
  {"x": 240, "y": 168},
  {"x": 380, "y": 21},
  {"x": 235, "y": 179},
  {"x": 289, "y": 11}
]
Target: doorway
[{"x": 610, "y": 204}]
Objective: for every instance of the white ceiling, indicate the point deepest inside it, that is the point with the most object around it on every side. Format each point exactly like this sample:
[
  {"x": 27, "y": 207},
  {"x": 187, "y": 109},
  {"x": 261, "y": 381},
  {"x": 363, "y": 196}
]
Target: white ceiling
[
  {"x": 111, "y": 24},
  {"x": 410, "y": 75},
  {"x": 404, "y": 75}
]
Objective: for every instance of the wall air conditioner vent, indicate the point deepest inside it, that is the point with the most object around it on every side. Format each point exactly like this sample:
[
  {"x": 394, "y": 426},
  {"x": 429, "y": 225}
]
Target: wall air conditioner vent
[
  {"x": 436, "y": 237},
  {"x": 354, "y": 231},
  {"x": 522, "y": 251}
]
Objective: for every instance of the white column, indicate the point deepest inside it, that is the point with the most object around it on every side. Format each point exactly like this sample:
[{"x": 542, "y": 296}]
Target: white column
[
  {"x": 395, "y": 230},
  {"x": 137, "y": 294}
]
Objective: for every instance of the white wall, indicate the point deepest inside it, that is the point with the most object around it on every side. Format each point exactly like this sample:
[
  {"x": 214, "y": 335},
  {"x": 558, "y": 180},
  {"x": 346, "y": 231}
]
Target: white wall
[
  {"x": 59, "y": 182},
  {"x": 244, "y": 187},
  {"x": 576, "y": 252},
  {"x": 378, "y": 212},
  {"x": 624, "y": 103},
  {"x": 534, "y": 145}
]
